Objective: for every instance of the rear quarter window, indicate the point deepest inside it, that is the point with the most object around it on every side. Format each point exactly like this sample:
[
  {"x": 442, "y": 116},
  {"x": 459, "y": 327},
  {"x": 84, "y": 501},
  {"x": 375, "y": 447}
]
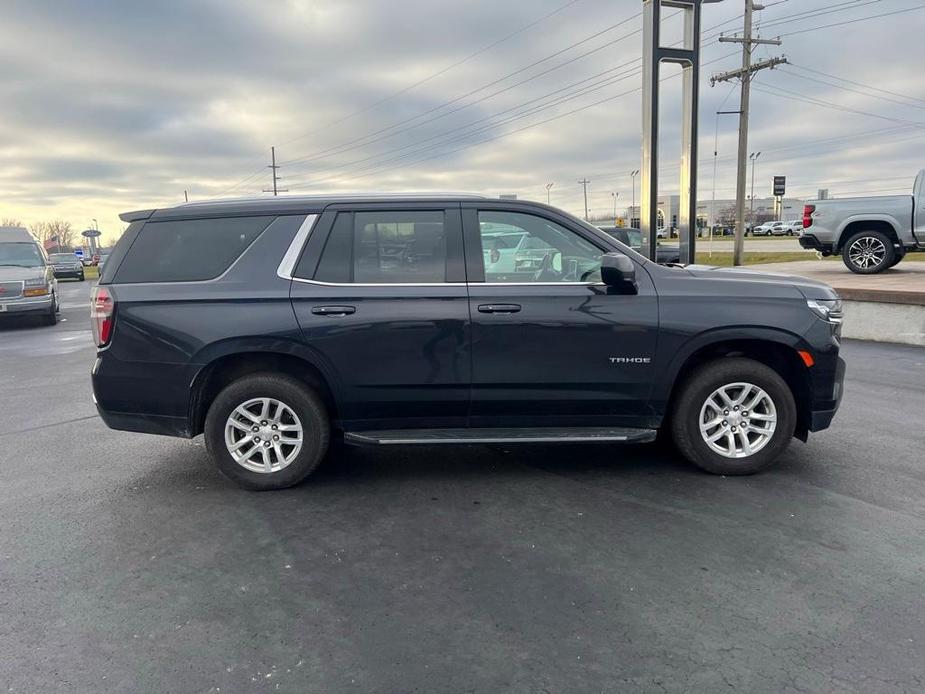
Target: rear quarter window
[{"x": 188, "y": 250}]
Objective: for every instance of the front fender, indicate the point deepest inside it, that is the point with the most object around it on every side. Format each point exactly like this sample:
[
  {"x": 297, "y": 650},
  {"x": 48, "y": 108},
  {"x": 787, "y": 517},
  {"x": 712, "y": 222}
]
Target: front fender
[{"x": 676, "y": 355}]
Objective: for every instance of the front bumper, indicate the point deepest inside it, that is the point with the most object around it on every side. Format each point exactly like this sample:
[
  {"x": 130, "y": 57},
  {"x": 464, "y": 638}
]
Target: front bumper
[
  {"x": 26, "y": 305},
  {"x": 75, "y": 273},
  {"x": 832, "y": 387}
]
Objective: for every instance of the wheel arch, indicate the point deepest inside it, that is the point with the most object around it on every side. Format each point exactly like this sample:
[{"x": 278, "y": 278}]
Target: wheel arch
[
  {"x": 883, "y": 223},
  {"x": 234, "y": 361},
  {"x": 776, "y": 349}
]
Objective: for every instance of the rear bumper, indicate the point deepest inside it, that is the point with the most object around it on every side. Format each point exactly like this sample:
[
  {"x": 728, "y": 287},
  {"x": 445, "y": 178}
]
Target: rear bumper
[
  {"x": 146, "y": 423},
  {"x": 39, "y": 304},
  {"x": 152, "y": 398},
  {"x": 811, "y": 242}
]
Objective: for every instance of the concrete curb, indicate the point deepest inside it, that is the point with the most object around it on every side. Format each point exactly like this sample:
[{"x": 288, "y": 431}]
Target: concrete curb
[{"x": 883, "y": 320}]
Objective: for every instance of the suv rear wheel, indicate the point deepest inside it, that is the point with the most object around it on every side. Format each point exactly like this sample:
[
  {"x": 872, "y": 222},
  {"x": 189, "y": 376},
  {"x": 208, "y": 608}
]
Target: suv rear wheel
[
  {"x": 267, "y": 431},
  {"x": 868, "y": 252},
  {"x": 733, "y": 417}
]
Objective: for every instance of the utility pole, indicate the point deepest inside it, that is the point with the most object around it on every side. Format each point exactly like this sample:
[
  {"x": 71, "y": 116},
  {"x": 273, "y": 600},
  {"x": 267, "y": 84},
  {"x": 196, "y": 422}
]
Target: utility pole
[
  {"x": 185, "y": 196},
  {"x": 273, "y": 167},
  {"x": 753, "y": 157},
  {"x": 548, "y": 187},
  {"x": 744, "y": 74},
  {"x": 584, "y": 184},
  {"x": 633, "y": 174}
]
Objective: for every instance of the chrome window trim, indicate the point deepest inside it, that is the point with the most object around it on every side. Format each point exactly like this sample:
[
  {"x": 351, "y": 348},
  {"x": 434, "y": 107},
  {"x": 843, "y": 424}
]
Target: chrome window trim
[
  {"x": 449, "y": 284},
  {"x": 379, "y": 284},
  {"x": 291, "y": 257}
]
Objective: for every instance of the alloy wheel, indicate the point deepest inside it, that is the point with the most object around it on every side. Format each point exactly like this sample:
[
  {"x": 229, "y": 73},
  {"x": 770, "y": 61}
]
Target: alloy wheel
[
  {"x": 737, "y": 420},
  {"x": 866, "y": 252},
  {"x": 263, "y": 435}
]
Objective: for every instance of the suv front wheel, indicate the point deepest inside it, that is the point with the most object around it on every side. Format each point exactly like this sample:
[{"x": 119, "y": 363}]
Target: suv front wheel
[
  {"x": 267, "y": 431},
  {"x": 733, "y": 416}
]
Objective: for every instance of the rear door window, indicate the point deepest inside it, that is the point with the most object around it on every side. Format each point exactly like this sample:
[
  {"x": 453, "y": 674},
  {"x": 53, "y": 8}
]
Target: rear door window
[
  {"x": 188, "y": 250},
  {"x": 385, "y": 247}
]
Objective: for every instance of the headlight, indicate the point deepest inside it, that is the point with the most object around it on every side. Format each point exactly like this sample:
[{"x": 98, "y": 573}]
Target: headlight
[
  {"x": 36, "y": 282},
  {"x": 827, "y": 309}
]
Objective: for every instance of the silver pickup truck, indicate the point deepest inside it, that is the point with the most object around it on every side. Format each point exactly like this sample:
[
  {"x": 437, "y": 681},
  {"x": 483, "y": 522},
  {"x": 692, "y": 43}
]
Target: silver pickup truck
[{"x": 870, "y": 234}]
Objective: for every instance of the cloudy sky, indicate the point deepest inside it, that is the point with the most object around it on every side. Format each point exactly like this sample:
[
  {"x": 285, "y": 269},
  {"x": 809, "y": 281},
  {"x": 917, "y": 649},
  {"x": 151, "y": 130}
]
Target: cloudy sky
[{"x": 110, "y": 105}]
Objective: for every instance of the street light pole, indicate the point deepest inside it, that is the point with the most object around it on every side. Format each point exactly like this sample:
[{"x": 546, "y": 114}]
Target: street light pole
[
  {"x": 751, "y": 210},
  {"x": 614, "y": 196},
  {"x": 633, "y": 175},
  {"x": 548, "y": 187}
]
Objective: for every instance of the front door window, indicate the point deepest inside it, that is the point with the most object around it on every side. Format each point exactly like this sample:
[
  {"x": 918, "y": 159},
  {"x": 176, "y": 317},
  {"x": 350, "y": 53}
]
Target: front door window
[{"x": 522, "y": 248}]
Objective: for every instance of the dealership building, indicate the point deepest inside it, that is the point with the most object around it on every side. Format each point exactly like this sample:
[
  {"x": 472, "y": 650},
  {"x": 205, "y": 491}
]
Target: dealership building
[{"x": 720, "y": 212}]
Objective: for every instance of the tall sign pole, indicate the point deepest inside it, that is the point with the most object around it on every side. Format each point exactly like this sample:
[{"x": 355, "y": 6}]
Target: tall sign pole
[{"x": 688, "y": 57}]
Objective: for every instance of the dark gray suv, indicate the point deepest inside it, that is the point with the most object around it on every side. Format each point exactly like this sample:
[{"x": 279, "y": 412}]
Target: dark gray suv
[{"x": 272, "y": 326}]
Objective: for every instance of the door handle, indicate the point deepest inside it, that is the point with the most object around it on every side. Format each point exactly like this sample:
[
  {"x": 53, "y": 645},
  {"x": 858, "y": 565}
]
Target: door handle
[
  {"x": 333, "y": 310},
  {"x": 499, "y": 308}
]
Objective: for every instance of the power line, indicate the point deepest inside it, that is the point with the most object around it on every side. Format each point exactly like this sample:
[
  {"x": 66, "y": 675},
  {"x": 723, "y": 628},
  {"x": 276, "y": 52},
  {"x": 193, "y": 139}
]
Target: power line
[
  {"x": 536, "y": 109},
  {"x": 796, "y": 96},
  {"x": 858, "y": 84},
  {"x": 519, "y": 106},
  {"x": 852, "y": 21},
  {"x": 371, "y": 138},
  {"x": 816, "y": 80},
  {"x": 443, "y": 71},
  {"x": 368, "y": 172},
  {"x": 819, "y": 12},
  {"x": 459, "y": 98}
]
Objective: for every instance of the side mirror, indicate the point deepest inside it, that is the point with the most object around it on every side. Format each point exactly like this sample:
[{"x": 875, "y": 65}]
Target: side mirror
[{"x": 619, "y": 272}]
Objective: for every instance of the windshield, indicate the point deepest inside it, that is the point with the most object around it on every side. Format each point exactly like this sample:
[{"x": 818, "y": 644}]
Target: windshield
[
  {"x": 62, "y": 258},
  {"x": 23, "y": 254}
]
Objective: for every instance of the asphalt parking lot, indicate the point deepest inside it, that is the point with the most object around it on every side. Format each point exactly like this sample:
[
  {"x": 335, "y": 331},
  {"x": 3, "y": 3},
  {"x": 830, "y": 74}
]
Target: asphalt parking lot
[{"x": 128, "y": 564}]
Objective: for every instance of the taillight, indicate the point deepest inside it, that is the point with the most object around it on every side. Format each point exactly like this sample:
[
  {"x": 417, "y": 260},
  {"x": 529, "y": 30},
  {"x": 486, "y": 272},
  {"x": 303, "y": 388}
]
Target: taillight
[
  {"x": 808, "y": 215},
  {"x": 101, "y": 309}
]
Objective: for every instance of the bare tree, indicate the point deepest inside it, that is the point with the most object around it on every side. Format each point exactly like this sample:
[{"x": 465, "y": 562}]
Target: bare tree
[
  {"x": 10, "y": 222},
  {"x": 64, "y": 231},
  {"x": 57, "y": 228}
]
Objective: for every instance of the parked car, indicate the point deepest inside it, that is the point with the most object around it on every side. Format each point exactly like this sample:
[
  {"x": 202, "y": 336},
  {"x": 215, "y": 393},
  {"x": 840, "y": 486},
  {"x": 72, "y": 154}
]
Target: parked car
[
  {"x": 67, "y": 265},
  {"x": 633, "y": 238},
  {"x": 27, "y": 279},
  {"x": 272, "y": 325},
  {"x": 871, "y": 234}
]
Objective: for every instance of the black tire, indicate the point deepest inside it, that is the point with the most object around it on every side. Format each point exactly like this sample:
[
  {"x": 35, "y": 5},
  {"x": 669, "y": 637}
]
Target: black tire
[
  {"x": 897, "y": 259},
  {"x": 81, "y": 278},
  {"x": 303, "y": 401},
  {"x": 693, "y": 394},
  {"x": 51, "y": 317},
  {"x": 876, "y": 240}
]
